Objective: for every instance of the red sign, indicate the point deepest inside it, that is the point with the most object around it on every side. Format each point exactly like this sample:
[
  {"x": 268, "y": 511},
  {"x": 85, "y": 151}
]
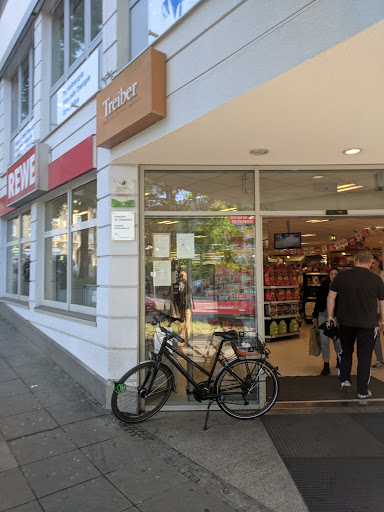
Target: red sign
[
  {"x": 75, "y": 162},
  {"x": 4, "y": 209},
  {"x": 27, "y": 178},
  {"x": 225, "y": 307},
  {"x": 242, "y": 219}
]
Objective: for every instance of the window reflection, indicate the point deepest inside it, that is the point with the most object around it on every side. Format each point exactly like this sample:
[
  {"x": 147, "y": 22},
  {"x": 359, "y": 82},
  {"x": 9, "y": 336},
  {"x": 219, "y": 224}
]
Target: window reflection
[
  {"x": 84, "y": 266},
  {"x": 55, "y": 268},
  {"x": 76, "y": 35},
  {"x": 56, "y": 213},
  {"x": 84, "y": 203},
  {"x": 12, "y": 268}
]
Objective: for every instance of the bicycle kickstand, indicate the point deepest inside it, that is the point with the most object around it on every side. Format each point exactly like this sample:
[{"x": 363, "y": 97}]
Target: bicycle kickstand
[{"x": 206, "y": 416}]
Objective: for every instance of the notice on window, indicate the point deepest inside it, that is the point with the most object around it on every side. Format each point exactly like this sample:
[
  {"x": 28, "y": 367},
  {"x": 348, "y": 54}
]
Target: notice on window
[
  {"x": 123, "y": 225},
  {"x": 161, "y": 244},
  {"x": 161, "y": 273},
  {"x": 185, "y": 243}
]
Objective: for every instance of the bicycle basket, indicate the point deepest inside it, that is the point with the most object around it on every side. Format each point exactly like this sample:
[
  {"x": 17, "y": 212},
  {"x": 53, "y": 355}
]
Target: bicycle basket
[{"x": 250, "y": 344}]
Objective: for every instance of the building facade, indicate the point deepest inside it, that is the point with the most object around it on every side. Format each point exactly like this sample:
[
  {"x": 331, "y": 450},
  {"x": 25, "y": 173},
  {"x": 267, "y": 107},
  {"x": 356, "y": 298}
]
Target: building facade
[{"x": 143, "y": 138}]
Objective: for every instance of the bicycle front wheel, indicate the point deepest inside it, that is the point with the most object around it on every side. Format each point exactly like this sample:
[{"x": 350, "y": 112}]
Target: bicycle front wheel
[
  {"x": 248, "y": 388},
  {"x": 127, "y": 404}
]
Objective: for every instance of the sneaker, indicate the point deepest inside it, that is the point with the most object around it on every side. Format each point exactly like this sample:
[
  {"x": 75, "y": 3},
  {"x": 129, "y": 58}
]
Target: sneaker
[
  {"x": 368, "y": 395},
  {"x": 325, "y": 370},
  {"x": 379, "y": 364},
  {"x": 346, "y": 385}
]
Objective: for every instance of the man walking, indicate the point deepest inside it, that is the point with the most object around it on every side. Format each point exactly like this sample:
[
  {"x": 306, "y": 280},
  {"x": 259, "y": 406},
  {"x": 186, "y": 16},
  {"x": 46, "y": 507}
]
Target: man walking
[
  {"x": 358, "y": 291},
  {"x": 375, "y": 267}
]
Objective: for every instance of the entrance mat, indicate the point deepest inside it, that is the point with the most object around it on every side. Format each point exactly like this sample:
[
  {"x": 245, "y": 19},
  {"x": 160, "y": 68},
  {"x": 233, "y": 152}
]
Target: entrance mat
[
  {"x": 321, "y": 436},
  {"x": 340, "y": 484},
  {"x": 374, "y": 423},
  {"x": 316, "y": 387}
]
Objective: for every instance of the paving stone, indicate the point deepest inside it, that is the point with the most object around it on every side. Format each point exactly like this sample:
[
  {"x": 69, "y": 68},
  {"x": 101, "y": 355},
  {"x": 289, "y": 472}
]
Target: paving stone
[
  {"x": 93, "y": 430},
  {"x": 6, "y": 373},
  {"x": 26, "y": 423},
  {"x": 97, "y": 495},
  {"x": 158, "y": 475},
  {"x": 188, "y": 497},
  {"x": 7, "y": 460},
  {"x": 14, "y": 489},
  {"x": 51, "y": 395},
  {"x": 12, "y": 388},
  {"x": 117, "y": 453},
  {"x": 75, "y": 411},
  {"x": 40, "y": 446},
  {"x": 11, "y": 405},
  {"x": 32, "y": 506},
  {"x": 56, "y": 473},
  {"x": 29, "y": 358},
  {"x": 44, "y": 366}
]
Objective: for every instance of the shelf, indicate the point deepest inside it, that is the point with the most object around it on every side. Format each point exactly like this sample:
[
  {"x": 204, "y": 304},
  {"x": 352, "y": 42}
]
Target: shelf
[
  {"x": 281, "y": 301},
  {"x": 313, "y": 284},
  {"x": 270, "y": 337},
  {"x": 311, "y": 298},
  {"x": 282, "y": 316},
  {"x": 282, "y": 286},
  {"x": 316, "y": 273}
]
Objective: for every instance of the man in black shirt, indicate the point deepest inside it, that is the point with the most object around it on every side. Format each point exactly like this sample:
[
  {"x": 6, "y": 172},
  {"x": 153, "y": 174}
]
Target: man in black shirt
[{"x": 358, "y": 291}]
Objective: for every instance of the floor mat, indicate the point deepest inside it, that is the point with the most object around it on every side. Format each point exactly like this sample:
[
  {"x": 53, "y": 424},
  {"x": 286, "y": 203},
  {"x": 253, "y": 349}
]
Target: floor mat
[
  {"x": 310, "y": 388},
  {"x": 340, "y": 484},
  {"x": 374, "y": 423}
]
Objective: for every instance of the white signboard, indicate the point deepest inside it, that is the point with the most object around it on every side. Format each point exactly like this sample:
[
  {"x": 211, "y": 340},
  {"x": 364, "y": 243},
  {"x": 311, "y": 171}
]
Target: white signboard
[
  {"x": 162, "y": 273},
  {"x": 83, "y": 84},
  {"x": 123, "y": 225},
  {"x": 185, "y": 243},
  {"x": 161, "y": 245},
  {"x": 164, "y": 13},
  {"x": 24, "y": 141}
]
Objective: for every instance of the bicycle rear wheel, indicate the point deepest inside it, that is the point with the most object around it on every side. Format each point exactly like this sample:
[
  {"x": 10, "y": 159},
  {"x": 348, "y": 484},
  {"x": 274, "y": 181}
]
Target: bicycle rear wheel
[
  {"x": 128, "y": 405},
  {"x": 248, "y": 388}
]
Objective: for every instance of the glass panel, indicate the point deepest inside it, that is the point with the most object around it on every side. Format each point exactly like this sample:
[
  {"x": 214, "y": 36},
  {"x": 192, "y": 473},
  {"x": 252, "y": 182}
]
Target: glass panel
[
  {"x": 15, "y": 104},
  {"x": 96, "y": 17},
  {"x": 26, "y": 225},
  {"x": 25, "y": 262},
  {"x": 56, "y": 213},
  {"x": 139, "y": 27},
  {"x": 76, "y": 34},
  {"x": 55, "y": 265},
  {"x": 25, "y": 88},
  {"x": 12, "y": 268},
  {"x": 58, "y": 43},
  {"x": 84, "y": 267},
  {"x": 321, "y": 190},
  {"x": 84, "y": 203},
  {"x": 199, "y": 190},
  {"x": 202, "y": 271},
  {"x": 13, "y": 229}
]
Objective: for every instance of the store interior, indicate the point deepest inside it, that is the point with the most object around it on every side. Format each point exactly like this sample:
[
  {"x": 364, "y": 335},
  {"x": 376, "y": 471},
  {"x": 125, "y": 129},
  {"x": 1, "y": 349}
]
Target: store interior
[{"x": 292, "y": 278}]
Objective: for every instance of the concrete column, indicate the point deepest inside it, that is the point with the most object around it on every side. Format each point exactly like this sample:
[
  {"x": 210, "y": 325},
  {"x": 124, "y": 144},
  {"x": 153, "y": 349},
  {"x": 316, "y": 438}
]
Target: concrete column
[
  {"x": 115, "y": 46},
  {"x": 42, "y": 80}
]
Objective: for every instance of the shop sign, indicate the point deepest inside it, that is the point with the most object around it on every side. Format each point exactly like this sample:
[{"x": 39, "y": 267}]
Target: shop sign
[
  {"x": 28, "y": 177},
  {"x": 24, "y": 141},
  {"x": 162, "y": 14},
  {"x": 123, "y": 226},
  {"x": 133, "y": 101},
  {"x": 83, "y": 84},
  {"x": 242, "y": 219}
]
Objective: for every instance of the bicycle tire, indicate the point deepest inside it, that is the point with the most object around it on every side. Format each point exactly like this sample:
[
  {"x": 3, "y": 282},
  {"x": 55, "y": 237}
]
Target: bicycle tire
[
  {"x": 253, "y": 394},
  {"x": 128, "y": 406}
]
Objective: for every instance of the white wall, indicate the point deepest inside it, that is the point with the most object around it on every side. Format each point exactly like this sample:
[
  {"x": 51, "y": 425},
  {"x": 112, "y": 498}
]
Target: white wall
[{"x": 10, "y": 20}]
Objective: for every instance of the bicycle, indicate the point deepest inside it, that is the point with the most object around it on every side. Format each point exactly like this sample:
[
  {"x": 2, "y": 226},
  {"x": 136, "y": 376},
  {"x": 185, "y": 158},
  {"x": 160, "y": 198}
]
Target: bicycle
[{"x": 245, "y": 387}]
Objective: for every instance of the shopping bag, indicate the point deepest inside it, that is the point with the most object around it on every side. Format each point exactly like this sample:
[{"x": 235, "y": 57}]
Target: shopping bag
[{"x": 314, "y": 342}]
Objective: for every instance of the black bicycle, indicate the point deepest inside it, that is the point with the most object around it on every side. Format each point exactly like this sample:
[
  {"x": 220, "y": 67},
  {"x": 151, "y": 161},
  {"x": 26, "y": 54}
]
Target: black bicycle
[{"x": 245, "y": 387}]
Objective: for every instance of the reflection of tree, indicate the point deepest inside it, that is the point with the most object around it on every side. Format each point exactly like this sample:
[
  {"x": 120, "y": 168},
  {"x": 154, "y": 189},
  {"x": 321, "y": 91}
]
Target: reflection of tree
[{"x": 77, "y": 29}]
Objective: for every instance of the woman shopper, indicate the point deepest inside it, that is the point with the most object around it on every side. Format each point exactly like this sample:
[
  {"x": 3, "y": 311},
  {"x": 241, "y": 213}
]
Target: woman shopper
[{"x": 320, "y": 315}]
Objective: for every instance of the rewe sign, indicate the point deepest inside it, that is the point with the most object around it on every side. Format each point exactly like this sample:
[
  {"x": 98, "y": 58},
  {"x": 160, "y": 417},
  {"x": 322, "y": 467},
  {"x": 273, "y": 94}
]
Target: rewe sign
[{"x": 28, "y": 177}]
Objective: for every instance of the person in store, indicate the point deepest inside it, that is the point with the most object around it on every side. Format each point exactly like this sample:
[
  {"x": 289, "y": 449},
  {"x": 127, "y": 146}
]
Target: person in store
[
  {"x": 358, "y": 290},
  {"x": 376, "y": 268},
  {"x": 181, "y": 306},
  {"x": 320, "y": 316}
]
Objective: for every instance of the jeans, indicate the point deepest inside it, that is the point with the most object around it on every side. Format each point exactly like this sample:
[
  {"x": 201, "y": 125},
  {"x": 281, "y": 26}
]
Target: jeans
[
  {"x": 365, "y": 343},
  {"x": 377, "y": 348},
  {"x": 325, "y": 352}
]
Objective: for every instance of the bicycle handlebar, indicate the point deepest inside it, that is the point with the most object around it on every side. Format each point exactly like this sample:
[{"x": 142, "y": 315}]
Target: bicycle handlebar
[{"x": 157, "y": 319}]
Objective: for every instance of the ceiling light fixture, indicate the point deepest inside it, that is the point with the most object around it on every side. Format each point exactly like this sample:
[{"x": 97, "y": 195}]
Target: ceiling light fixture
[
  {"x": 351, "y": 186},
  {"x": 351, "y": 151},
  {"x": 259, "y": 151},
  {"x": 317, "y": 177},
  {"x": 315, "y": 221},
  {"x": 309, "y": 234}
]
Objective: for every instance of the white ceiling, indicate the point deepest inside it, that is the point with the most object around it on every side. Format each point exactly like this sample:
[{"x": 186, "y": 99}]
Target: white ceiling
[{"x": 306, "y": 116}]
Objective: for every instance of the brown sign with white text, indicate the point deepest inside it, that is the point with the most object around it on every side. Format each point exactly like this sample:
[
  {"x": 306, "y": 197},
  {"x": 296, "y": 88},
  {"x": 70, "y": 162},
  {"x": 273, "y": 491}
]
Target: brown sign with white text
[{"x": 133, "y": 101}]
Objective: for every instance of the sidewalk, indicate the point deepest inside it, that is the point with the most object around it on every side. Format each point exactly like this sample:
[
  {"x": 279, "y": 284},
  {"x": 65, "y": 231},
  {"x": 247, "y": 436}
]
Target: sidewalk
[{"x": 61, "y": 451}]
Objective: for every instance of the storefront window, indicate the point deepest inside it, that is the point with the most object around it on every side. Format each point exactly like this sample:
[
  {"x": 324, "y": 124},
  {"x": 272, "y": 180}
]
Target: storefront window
[
  {"x": 58, "y": 43},
  {"x": 74, "y": 245},
  {"x": 96, "y": 17},
  {"x": 18, "y": 255},
  {"x": 321, "y": 190},
  {"x": 21, "y": 105},
  {"x": 201, "y": 270},
  {"x": 199, "y": 190},
  {"x": 76, "y": 30}
]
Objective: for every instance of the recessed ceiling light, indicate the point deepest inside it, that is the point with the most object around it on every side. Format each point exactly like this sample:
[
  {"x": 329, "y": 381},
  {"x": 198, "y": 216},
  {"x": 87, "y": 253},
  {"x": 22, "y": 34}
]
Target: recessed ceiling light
[
  {"x": 350, "y": 186},
  {"x": 309, "y": 234},
  {"x": 314, "y": 221},
  {"x": 317, "y": 177},
  {"x": 259, "y": 151},
  {"x": 351, "y": 151}
]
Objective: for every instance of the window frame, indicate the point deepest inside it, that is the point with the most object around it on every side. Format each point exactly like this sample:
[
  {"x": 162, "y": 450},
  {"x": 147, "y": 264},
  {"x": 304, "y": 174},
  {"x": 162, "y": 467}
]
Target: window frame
[
  {"x": 21, "y": 123},
  {"x": 89, "y": 45},
  {"x": 19, "y": 242},
  {"x": 68, "y": 230}
]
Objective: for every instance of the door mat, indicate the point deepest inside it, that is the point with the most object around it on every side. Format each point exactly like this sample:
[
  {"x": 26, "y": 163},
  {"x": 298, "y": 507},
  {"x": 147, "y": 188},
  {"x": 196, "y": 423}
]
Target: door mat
[{"x": 309, "y": 388}]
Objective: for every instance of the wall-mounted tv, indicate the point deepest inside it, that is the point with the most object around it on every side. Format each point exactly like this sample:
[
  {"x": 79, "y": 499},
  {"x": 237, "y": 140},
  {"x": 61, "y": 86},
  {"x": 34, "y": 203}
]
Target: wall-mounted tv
[{"x": 287, "y": 240}]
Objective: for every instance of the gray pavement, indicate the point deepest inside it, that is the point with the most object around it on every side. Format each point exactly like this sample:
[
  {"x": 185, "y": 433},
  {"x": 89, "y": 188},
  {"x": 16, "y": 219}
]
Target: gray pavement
[{"x": 61, "y": 451}]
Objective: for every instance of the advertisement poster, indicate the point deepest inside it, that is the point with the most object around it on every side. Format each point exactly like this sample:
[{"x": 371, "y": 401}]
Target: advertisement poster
[
  {"x": 162, "y": 14},
  {"x": 162, "y": 273},
  {"x": 185, "y": 243}
]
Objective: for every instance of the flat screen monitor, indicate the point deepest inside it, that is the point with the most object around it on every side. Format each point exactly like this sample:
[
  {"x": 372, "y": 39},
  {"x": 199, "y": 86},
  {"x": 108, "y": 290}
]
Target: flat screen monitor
[{"x": 287, "y": 240}]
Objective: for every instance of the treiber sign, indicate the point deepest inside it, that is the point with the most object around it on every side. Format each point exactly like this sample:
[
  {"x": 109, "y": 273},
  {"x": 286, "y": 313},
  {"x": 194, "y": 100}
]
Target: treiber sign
[{"x": 28, "y": 177}]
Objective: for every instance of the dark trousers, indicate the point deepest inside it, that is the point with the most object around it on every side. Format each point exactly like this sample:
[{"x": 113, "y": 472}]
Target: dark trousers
[{"x": 365, "y": 342}]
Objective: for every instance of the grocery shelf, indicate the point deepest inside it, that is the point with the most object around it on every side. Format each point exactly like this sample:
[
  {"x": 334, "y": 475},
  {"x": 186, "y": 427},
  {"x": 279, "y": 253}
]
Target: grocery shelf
[
  {"x": 316, "y": 273},
  {"x": 273, "y": 336},
  {"x": 313, "y": 284},
  {"x": 282, "y": 286},
  {"x": 281, "y": 301},
  {"x": 311, "y": 298},
  {"x": 282, "y": 316}
]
